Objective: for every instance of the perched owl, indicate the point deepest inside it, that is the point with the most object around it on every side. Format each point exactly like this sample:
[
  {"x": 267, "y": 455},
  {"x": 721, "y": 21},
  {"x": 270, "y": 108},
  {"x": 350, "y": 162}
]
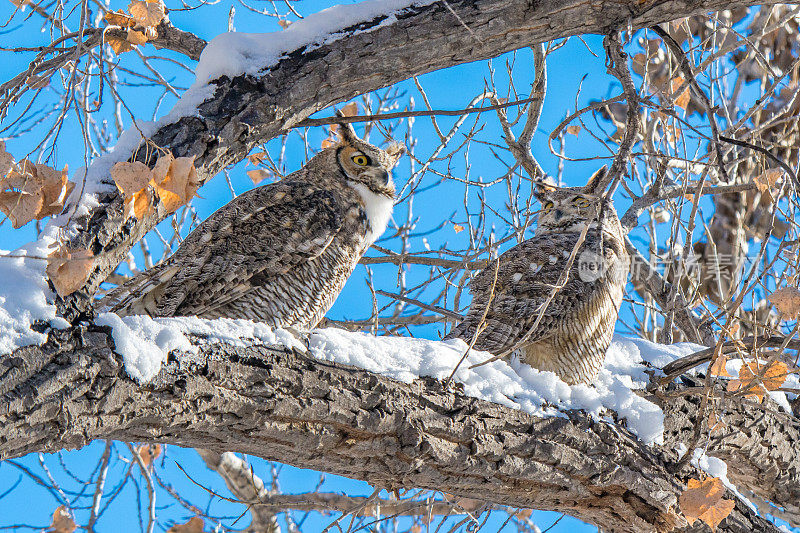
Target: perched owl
[
  {"x": 577, "y": 324},
  {"x": 279, "y": 253}
]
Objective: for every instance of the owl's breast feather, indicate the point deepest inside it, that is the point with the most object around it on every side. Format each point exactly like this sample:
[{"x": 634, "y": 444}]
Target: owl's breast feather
[{"x": 378, "y": 208}]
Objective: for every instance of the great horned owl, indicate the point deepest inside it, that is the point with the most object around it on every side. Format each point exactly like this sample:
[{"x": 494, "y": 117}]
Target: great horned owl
[
  {"x": 577, "y": 323},
  {"x": 279, "y": 253}
]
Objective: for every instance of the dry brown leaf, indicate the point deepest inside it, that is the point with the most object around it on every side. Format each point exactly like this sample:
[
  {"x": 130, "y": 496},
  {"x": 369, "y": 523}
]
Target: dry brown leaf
[
  {"x": 21, "y": 194},
  {"x": 767, "y": 179},
  {"x": 131, "y": 177},
  {"x": 170, "y": 199},
  {"x": 653, "y": 46},
  {"x": 136, "y": 37},
  {"x": 147, "y": 12},
  {"x": 703, "y": 500},
  {"x": 118, "y": 18},
  {"x": 639, "y": 63},
  {"x": 195, "y": 525},
  {"x": 458, "y": 228},
  {"x": 284, "y": 23},
  {"x": 118, "y": 44},
  {"x": 774, "y": 376},
  {"x": 175, "y": 181},
  {"x": 258, "y": 175},
  {"x": 20, "y": 207},
  {"x": 787, "y": 301},
  {"x": 350, "y": 110},
  {"x": 21, "y": 4},
  {"x": 149, "y": 453},
  {"x": 327, "y": 143},
  {"x": 162, "y": 168},
  {"x": 31, "y": 191},
  {"x": 682, "y": 99},
  {"x": 573, "y": 130},
  {"x": 718, "y": 368},
  {"x": 22, "y": 176},
  {"x": 183, "y": 172},
  {"x": 256, "y": 158},
  {"x": 524, "y": 513},
  {"x": 46, "y": 174},
  {"x": 140, "y": 204},
  {"x": 62, "y": 521},
  {"x": 164, "y": 184},
  {"x": 69, "y": 269},
  {"x": 55, "y": 190}
]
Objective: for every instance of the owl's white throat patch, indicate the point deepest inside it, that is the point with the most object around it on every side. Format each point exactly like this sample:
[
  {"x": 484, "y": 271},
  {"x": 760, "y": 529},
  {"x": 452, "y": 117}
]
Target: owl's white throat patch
[{"x": 378, "y": 208}]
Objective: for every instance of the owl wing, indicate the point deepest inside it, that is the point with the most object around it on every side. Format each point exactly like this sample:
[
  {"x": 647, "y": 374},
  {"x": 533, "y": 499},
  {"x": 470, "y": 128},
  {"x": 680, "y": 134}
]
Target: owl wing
[
  {"x": 525, "y": 277},
  {"x": 266, "y": 231}
]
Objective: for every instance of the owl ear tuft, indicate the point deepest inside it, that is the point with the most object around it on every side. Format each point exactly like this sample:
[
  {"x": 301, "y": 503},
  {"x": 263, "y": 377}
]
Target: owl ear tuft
[
  {"x": 598, "y": 181},
  {"x": 395, "y": 151},
  {"x": 543, "y": 187},
  {"x": 345, "y": 131}
]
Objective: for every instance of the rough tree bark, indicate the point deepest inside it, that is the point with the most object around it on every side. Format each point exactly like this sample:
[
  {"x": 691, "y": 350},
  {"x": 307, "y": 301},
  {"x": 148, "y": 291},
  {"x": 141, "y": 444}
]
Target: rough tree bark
[{"x": 284, "y": 406}]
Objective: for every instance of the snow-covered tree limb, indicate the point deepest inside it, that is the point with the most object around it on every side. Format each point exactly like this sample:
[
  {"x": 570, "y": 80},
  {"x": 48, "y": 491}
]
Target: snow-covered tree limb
[{"x": 284, "y": 406}]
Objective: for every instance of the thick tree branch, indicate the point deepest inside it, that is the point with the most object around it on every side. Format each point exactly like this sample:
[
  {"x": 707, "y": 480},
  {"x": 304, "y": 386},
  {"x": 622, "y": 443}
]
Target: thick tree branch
[
  {"x": 287, "y": 407},
  {"x": 246, "y": 111}
]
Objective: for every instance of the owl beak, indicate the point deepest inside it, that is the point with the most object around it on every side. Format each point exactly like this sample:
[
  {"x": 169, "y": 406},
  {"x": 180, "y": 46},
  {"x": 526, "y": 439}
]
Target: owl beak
[
  {"x": 382, "y": 177},
  {"x": 557, "y": 214}
]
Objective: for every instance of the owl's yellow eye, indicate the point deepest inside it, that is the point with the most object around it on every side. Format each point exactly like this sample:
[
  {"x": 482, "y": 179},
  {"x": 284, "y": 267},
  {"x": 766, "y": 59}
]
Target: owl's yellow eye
[
  {"x": 581, "y": 202},
  {"x": 360, "y": 159},
  {"x": 547, "y": 207}
]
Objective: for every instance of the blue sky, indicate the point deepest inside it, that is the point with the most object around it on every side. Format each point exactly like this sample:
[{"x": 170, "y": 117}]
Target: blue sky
[{"x": 573, "y": 66}]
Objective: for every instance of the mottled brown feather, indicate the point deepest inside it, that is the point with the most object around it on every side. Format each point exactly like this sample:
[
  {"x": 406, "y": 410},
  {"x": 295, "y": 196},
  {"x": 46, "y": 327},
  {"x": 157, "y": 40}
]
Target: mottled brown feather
[{"x": 577, "y": 324}]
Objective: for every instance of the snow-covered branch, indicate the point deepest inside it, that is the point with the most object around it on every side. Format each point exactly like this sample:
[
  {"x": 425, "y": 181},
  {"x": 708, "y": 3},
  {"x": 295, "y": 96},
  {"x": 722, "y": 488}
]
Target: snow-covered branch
[{"x": 283, "y": 405}]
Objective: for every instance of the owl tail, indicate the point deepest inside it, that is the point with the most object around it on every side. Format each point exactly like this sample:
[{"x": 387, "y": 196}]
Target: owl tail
[
  {"x": 495, "y": 338},
  {"x": 140, "y": 295}
]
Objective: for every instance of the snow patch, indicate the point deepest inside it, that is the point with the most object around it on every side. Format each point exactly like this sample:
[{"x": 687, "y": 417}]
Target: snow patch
[
  {"x": 145, "y": 342},
  {"x": 25, "y": 297},
  {"x": 514, "y": 384}
]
